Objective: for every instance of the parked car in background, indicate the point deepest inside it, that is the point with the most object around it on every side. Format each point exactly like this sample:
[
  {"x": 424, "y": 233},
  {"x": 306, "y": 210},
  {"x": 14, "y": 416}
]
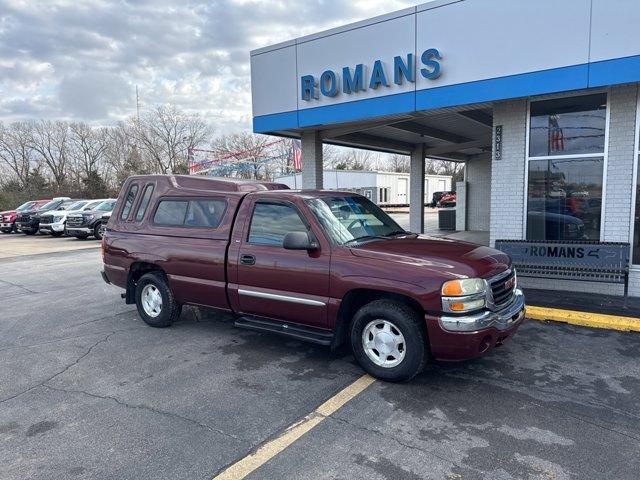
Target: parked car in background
[
  {"x": 8, "y": 218},
  {"x": 554, "y": 226},
  {"x": 447, "y": 200},
  {"x": 28, "y": 221},
  {"x": 88, "y": 223},
  {"x": 435, "y": 198},
  {"x": 54, "y": 221},
  {"x": 103, "y": 223},
  {"x": 323, "y": 266}
]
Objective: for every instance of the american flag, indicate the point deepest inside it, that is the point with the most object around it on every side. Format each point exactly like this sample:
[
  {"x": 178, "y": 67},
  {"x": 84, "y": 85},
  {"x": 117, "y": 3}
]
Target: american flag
[{"x": 297, "y": 155}]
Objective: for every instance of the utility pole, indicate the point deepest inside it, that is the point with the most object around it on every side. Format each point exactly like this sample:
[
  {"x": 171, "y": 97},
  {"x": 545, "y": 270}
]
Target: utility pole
[{"x": 137, "y": 104}]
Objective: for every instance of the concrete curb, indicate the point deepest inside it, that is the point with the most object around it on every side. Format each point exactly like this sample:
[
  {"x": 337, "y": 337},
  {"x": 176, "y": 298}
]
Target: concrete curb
[{"x": 585, "y": 319}]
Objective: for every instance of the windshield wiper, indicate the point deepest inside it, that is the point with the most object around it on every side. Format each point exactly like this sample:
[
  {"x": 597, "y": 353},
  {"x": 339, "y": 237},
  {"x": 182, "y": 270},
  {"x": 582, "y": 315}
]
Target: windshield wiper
[
  {"x": 398, "y": 232},
  {"x": 366, "y": 237}
]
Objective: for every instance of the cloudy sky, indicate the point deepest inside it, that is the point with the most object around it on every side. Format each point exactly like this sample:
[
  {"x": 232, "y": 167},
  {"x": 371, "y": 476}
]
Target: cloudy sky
[{"x": 82, "y": 59}]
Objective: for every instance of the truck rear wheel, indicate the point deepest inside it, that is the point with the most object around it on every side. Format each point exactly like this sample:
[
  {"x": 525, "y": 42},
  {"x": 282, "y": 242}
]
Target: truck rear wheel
[
  {"x": 389, "y": 341},
  {"x": 155, "y": 302}
]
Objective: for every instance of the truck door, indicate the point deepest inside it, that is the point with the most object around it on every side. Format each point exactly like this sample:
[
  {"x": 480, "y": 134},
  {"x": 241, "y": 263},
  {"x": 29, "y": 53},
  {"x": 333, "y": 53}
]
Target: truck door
[{"x": 289, "y": 285}]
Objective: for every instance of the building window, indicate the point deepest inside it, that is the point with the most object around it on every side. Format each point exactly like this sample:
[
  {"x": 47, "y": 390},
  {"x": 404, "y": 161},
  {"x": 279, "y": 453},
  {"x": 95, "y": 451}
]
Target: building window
[
  {"x": 565, "y": 168},
  {"x": 568, "y": 126}
]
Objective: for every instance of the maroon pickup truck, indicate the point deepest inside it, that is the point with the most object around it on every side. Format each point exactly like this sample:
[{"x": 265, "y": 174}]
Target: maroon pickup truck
[{"x": 322, "y": 266}]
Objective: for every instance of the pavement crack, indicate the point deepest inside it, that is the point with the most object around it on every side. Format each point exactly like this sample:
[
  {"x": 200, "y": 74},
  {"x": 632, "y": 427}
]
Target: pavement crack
[
  {"x": 22, "y": 287},
  {"x": 146, "y": 408},
  {"x": 64, "y": 370}
]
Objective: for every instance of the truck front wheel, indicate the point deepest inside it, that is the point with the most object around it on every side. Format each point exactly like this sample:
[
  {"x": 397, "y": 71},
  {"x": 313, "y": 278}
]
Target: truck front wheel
[
  {"x": 389, "y": 341},
  {"x": 155, "y": 302}
]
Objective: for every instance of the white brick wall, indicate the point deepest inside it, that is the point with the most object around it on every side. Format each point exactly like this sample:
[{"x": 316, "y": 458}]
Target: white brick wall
[
  {"x": 507, "y": 174},
  {"x": 478, "y": 176},
  {"x": 620, "y": 162}
]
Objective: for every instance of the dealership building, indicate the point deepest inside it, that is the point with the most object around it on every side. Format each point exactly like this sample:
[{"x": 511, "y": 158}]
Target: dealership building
[{"x": 539, "y": 99}]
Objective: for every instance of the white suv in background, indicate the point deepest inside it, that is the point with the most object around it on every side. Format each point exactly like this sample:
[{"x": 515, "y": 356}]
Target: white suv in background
[{"x": 54, "y": 221}]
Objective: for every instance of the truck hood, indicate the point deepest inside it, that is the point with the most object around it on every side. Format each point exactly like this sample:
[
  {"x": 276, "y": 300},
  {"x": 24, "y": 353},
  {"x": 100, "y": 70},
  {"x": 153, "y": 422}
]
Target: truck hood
[
  {"x": 449, "y": 257},
  {"x": 8, "y": 212},
  {"x": 60, "y": 212}
]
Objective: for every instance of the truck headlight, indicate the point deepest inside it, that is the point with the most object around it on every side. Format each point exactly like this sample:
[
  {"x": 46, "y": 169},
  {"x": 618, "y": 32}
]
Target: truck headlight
[
  {"x": 464, "y": 295},
  {"x": 57, "y": 219}
]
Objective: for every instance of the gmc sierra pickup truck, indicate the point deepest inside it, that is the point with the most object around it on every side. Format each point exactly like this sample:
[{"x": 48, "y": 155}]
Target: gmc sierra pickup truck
[{"x": 323, "y": 266}]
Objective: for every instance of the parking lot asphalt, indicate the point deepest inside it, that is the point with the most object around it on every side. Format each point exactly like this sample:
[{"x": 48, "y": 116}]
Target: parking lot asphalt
[
  {"x": 89, "y": 391},
  {"x": 18, "y": 244}
]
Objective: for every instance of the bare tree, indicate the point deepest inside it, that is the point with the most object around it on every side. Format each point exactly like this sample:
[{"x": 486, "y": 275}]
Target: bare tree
[
  {"x": 355, "y": 159},
  {"x": 247, "y": 151},
  {"x": 165, "y": 135},
  {"x": 51, "y": 142},
  {"x": 16, "y": 152},
  {"x": 89, "y": 147},
  {"x": 399, "y": 163}
]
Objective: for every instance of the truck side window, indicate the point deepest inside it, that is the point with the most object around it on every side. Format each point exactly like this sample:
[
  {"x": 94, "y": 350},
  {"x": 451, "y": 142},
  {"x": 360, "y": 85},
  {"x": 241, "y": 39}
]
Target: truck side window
[
  {"x": 128, "y": 203},
  {"x": 171, "y": 213},
  {"x": 146, "y": 196},
  {"x": 271, "y": 222},
  {"x": 205, "y": 213},
  {"x": 190, "y": 213}
]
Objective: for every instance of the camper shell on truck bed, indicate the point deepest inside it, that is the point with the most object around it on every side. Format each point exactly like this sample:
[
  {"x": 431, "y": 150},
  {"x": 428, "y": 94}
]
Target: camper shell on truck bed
[{"x": 323, "y": 266}]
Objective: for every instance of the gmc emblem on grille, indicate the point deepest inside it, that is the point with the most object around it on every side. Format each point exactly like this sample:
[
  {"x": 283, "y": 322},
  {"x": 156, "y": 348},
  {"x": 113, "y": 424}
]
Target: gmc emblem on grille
[{"x": 510, "y": 283}]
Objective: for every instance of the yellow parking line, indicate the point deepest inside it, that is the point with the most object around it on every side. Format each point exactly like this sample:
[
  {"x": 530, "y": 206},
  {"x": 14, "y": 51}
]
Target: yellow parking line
[
  {"x": 585, "y": 319},
  {"x": 248, "y": 464}
]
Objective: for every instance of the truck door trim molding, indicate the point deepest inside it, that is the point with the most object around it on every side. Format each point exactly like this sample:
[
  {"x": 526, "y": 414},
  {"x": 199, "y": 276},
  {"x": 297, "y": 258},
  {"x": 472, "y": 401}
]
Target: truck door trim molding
[{"x": 282, "y": 298}]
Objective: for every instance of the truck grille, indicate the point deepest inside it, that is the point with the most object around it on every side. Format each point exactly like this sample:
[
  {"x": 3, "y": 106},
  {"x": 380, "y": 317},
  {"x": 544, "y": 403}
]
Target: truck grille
[
  {"x": 502, "y": 288},
  {"x": 75, "y": 221},
  {"x": 46, "y": 219},
  {"x": 23, "y": 218}
]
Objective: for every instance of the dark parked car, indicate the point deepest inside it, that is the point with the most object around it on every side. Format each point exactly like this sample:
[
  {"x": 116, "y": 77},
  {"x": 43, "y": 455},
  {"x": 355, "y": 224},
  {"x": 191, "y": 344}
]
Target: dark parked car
[
  {"x": 28, "y": 221},
  {"x": 89, "y": 223},
  {"x": 324, "y": 266},
  {"x": 554, "y": 226}
]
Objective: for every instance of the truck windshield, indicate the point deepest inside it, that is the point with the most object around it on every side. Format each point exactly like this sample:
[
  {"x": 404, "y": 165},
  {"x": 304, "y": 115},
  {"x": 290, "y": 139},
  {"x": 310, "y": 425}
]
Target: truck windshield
[
  {"x": 106, "y": 206},
  {"x": 350, "y": 219},
  {"x": 25, "y": 206},
  {"x": 52, "y": 205}
]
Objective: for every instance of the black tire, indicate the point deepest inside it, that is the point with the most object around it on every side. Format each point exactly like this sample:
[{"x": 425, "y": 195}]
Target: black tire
[
  {"x": 56, "y": 234},
  {"x": 97, "y": 232},
  {"x": 408, "y": 322},
  {"x": 29, "y": 232},
  {"x": 170, "y": 309},
  {"x": 5, "y": 230}
]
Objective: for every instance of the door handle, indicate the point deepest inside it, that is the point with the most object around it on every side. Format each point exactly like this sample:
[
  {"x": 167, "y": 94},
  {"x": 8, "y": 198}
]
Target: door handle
[{"x": 247, "y": 259}]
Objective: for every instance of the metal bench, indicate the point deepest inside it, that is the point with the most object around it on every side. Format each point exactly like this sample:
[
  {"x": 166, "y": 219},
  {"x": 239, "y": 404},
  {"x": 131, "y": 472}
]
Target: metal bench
[{"x": 580, "y": 260}]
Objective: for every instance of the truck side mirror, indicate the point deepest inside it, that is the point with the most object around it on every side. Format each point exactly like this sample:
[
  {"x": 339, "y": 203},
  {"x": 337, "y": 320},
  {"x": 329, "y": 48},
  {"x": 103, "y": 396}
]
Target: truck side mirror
[{"x": 299, "y": 241}]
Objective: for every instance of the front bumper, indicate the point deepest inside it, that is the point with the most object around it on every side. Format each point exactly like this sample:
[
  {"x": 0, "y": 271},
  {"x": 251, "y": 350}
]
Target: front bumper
[
  {"x": 52, "y": 227},
  {"x": 6, "y": 225},
  {"x": 79, "y": 230},
  {"x": 27, "y": 227},
  {"x": 482, "y": 331}
]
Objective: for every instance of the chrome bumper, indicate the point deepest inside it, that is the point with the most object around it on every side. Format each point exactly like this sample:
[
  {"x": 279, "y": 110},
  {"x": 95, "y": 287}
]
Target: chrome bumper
[
  {"x": 52, "y": 227},
  {"x": 503, "y": 319},
  {"x": 6, "y": 225}
]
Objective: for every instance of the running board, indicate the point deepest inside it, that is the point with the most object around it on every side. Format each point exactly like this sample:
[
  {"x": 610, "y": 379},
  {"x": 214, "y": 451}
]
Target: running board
[{"x": 299, "y": 332}]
